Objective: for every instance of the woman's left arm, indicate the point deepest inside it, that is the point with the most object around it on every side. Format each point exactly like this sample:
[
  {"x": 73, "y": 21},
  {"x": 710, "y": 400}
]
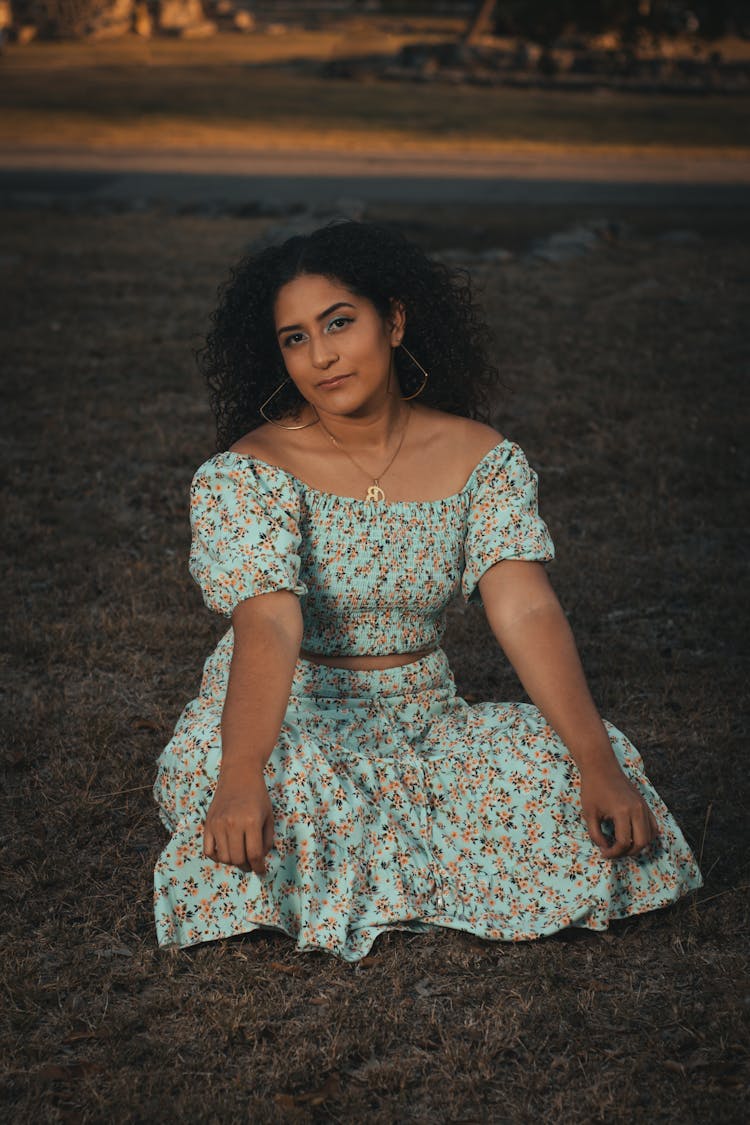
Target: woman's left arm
[{"x": 531, "y": 628}]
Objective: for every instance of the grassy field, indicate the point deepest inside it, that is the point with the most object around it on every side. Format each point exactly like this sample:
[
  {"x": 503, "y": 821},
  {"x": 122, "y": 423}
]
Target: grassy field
[
  {"x": 229, "y": 92},
  {"x": 626, "y": 377}
]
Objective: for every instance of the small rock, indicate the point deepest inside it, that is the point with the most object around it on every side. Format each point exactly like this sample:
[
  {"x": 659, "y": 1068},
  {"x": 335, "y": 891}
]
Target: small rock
[
  {"x": 109, "y": 29},
  {"x": 566, "y": 244},
  {"x": 25, "y": 34},
  {"x": 526, "y": 56},
  {"x": 112, "y": 21},
  {"x": 115, "y": 951},
  {"x": 244, "y": 20},
  {"x": 175, "y": 15}
]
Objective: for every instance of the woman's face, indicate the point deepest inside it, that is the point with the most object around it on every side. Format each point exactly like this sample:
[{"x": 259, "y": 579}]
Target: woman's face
[{"x": 324, "y": 331}]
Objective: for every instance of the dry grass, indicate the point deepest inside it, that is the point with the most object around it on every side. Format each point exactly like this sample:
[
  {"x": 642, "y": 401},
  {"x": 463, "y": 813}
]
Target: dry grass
[
  {"x": 236, "y": 92},
  {"x": 626, "y": 374}
]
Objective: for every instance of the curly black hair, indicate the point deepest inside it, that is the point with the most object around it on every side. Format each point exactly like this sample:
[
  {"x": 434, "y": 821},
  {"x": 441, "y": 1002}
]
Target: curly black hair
[{"x": 241, "y": 359}]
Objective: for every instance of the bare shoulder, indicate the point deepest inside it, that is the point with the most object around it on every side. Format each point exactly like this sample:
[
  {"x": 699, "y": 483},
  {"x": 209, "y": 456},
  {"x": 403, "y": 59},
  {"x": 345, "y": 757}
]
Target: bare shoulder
[
  {"x": 260, "y": 442},
  {"x": 481, "y": 437},
  {"x": 470, "y": 439}
]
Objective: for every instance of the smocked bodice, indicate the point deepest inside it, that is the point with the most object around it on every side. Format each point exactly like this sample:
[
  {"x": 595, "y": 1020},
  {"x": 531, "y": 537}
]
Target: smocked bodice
[{"x": 372, "y": 578}]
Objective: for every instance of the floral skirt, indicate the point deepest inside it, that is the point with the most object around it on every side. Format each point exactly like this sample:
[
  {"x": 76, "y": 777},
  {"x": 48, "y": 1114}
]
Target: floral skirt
[{"x": 400, "y": 806}]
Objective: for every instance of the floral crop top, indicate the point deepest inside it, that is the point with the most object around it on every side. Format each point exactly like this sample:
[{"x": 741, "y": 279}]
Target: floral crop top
[{"x": 372, "y": 578}]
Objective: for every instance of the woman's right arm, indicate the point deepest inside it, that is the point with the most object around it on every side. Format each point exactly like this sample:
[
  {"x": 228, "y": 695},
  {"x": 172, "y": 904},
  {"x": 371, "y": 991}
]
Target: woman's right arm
[{"x": 267, "y": 637}]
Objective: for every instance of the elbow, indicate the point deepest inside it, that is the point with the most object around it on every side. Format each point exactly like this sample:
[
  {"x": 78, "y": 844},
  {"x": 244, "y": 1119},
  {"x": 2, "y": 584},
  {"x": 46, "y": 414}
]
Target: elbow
[
  {"x": 507, "y": 620},
  {"x": 276, "y": 616},
  {"x": 516, "y": 591}
]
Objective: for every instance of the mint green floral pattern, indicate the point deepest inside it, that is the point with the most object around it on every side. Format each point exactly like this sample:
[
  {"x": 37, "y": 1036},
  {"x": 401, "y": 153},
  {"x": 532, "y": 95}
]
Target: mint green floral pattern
[{"x": 397, "y": 804}]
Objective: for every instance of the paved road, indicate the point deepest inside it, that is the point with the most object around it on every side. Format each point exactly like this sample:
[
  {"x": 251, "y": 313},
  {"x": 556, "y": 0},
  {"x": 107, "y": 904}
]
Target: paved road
[{"x": 288, "y": 177}]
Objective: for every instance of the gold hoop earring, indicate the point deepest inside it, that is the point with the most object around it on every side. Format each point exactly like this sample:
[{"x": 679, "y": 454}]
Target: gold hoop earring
[
  {"x": 419, "y": 365},
  {"x": 260, "y": 411}
]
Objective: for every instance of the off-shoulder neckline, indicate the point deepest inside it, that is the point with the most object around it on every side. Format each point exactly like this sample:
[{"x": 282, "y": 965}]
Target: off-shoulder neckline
[{"x": 506, "y": 442}]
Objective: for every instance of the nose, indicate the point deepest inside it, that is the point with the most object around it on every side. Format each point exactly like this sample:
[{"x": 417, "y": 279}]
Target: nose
[{"x": 322, "y": 352}]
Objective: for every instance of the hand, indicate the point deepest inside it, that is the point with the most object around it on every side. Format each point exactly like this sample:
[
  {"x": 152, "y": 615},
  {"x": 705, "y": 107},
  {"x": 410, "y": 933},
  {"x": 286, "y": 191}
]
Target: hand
[
  {"x": 239, "y": 824},
  {"x": 611, "y": 796}
]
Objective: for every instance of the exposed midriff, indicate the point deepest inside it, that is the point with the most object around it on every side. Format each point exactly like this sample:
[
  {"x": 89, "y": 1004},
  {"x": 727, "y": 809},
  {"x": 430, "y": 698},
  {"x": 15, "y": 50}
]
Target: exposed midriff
[{"x": 365, "y": 663}]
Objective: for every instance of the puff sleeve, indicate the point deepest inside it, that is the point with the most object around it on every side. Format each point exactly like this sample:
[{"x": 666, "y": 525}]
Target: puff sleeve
[
  {"x": 245, "y": 536},
  {"x": 503, "y": 521}
]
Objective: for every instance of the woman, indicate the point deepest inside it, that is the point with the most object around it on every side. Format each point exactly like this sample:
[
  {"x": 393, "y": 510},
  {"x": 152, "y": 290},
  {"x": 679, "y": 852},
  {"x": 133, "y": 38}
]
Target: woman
[{"x": 328, "y": 781}]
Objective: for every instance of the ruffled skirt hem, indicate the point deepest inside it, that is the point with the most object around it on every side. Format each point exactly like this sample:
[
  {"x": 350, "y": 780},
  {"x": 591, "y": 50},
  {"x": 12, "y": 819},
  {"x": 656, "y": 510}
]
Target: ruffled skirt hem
[
  {"x": 399, "y": 806},
  {"x": 362, "y": 940}
]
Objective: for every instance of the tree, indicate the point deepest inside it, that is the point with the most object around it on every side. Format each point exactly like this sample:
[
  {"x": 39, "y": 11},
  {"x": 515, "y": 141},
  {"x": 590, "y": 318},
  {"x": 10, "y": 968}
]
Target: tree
[
  {"x": 481, "y": 21},
  {"x": 544, "y": 21}
]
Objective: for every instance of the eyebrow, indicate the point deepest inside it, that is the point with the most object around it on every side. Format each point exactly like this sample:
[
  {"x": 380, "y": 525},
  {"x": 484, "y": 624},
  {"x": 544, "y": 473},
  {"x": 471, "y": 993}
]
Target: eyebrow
[{"x": 320, "y": 316}]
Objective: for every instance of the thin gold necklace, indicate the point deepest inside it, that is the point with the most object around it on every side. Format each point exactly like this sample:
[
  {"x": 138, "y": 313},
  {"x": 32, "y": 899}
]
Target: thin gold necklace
[{"x": 375, "y": 491}]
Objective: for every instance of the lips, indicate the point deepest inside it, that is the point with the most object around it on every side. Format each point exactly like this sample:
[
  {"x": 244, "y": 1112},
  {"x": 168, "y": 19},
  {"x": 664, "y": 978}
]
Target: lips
[{"x": 335, "y": 381}]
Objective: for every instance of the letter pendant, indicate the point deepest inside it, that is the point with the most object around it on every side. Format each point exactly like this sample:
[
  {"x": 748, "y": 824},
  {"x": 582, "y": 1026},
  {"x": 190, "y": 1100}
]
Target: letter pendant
[{"x": 375, "y": 492}]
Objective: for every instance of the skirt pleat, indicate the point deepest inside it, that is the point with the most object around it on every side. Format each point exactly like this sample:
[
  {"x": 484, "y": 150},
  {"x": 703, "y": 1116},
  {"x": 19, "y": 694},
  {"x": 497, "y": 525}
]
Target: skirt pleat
[{"x": 398, "y": 805}]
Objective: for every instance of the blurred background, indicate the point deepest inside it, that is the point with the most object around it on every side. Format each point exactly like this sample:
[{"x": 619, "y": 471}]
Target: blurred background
[
  {"x": 587, "y": 163},
  {"x": 522, "y": 101}
]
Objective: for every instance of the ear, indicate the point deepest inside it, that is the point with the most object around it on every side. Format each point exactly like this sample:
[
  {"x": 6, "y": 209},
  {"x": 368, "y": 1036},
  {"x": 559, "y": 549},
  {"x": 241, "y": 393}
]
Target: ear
[{"x": 396, "y": 321}]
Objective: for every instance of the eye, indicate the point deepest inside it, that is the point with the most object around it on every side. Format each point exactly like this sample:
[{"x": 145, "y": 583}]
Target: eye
[
  {"x": 291, "y": 338},
  {"x": 341, "y": 320}
]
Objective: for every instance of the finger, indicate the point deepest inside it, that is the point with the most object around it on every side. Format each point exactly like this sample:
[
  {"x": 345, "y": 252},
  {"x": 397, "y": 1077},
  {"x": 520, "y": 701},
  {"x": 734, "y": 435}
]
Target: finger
[
  {"x": 268, "y": 834},
  {"x": 641, "y": 831},
  {"x": 254, "y": 852},
  {"x": 211, "y": 846},
  {"x": 222, "y": 848},
  {"x": 652, "y": 829},
  {"x": 209, "y": 842},
  {"x": 595, "y": 832},
  {"x": 236, "y": 842},
  {"x": 623, "y": 835}
]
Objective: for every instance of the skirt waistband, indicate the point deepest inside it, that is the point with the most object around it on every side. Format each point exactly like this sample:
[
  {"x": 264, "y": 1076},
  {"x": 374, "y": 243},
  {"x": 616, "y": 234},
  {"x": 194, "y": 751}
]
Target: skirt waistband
[{"x": 429, "y": 671}]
